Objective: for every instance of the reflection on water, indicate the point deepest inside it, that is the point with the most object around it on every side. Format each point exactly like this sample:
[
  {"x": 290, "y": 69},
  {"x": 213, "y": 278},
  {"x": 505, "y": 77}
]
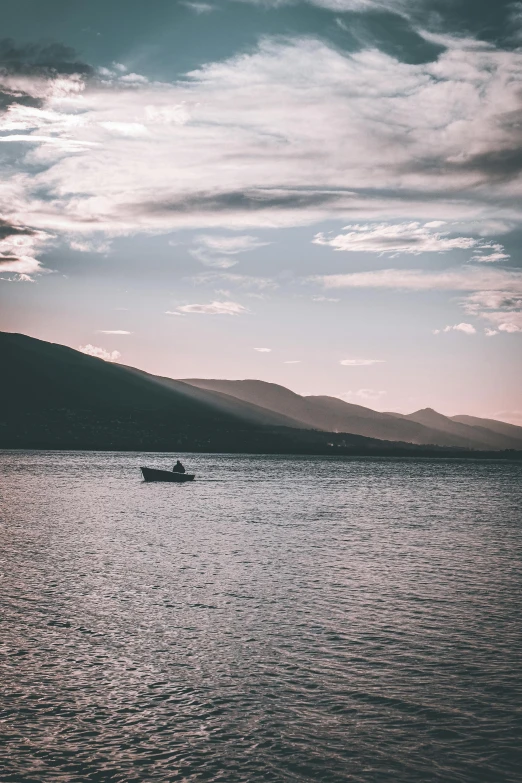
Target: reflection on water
[{"x": 280, "y": 619}]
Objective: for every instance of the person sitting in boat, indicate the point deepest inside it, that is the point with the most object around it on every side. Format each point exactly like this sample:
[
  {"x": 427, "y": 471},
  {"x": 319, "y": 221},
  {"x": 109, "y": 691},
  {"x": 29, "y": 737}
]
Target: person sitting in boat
[{"x": 178, "y": 468}]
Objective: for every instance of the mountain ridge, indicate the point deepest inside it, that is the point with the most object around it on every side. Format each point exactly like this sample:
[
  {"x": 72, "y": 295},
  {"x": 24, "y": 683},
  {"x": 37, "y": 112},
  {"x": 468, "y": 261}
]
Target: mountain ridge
[
  {"x": 333, "y": 414},
  {"x": 60, "y": 398},
  {"x": 56, "y": 397}
]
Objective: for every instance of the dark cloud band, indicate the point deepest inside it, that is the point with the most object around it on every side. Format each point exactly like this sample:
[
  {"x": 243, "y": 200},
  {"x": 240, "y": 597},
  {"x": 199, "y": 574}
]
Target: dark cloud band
[
  {"x": 38, "y": 60},
  {"x": 8, "y": 229}
]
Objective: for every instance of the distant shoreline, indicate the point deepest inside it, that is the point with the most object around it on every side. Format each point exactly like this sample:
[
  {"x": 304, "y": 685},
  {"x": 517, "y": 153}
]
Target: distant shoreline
[{"x": 503, "y": 456}]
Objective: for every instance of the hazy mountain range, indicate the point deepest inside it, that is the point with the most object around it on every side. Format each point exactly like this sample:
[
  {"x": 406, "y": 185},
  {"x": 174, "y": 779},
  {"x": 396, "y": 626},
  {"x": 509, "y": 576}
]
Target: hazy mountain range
[
  {"x": 424, "y": 427},
  {"x": 55, "y": 397}
]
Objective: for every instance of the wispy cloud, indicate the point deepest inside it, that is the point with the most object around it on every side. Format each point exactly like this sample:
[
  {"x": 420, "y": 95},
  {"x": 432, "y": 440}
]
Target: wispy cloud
[
  {"x": 462, "y": 327},
  {"x": 246, "y": 282},
  {"x": 263, "y": 350},
  {"x": 495, "y": 299},
  {"x": 293, "y": 361},
  {"x": 360, "y": 362},
  {"x": 509, "y": 322},
  {"x": 220, "y": 251},
  {"x": 466, "y": 278},
  {"x": 214, "y": 308},
  {"x": 91, "y": 245},
  {"x": 198, "y": 7},
  {"x": 19, "y": 278},
  {"x": 34, "y": 138},
  {"x": 363, "y": 394},
  {"x": 490, "y": 254},
  {"x": 113, "y": 331},
  {"x": 412, "y": 238},
  {"x": 400, "y": 7},
  {"x": 494, "y": 294},
  {"x": 125, "y": 128},
  {"x": 503, "y": 309},
  {"x": 100, "y": 353}
]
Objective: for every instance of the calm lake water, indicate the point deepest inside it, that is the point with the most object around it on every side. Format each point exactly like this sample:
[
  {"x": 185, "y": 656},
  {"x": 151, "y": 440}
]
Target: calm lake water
[{"x": 280, "y": 619}]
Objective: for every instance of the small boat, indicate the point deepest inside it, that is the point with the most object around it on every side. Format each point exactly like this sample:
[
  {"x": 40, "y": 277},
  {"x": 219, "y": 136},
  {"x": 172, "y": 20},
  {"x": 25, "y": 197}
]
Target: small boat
[{"x": 152, "y": 474}]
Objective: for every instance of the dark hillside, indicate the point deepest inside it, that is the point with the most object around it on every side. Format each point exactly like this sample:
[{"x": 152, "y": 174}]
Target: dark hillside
[
  {"x": 56, "y": 397},
  {"x": 331, "y": 414},
  {"x": 53, "y": 397}
]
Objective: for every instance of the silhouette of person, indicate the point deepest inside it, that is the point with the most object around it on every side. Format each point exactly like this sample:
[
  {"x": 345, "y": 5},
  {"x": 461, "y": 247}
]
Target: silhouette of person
[{"x": 178, "y": 468}]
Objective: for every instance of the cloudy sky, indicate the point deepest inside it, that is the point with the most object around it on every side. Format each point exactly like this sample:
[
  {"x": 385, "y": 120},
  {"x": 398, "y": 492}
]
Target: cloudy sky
[{"x": 323, "y": 194}]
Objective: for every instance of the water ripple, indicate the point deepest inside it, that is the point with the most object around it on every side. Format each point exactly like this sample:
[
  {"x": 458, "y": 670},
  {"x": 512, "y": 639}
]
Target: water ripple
[{"x": 280, "y": 619}]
